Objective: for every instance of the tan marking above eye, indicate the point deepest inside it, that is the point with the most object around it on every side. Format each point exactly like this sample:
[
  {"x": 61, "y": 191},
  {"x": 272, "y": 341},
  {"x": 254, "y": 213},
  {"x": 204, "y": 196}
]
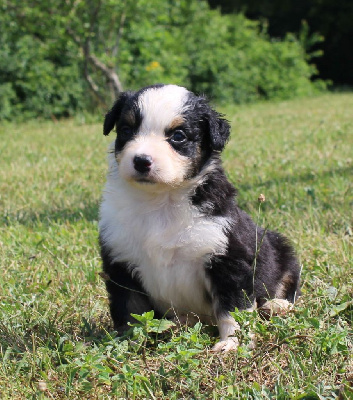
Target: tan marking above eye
[{"x": 178, "y": 121}]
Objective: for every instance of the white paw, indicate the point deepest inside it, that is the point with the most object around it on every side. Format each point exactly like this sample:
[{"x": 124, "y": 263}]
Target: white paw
[
  {"x": 275, "y": 307},
  {"x": 230, "y": 344}
]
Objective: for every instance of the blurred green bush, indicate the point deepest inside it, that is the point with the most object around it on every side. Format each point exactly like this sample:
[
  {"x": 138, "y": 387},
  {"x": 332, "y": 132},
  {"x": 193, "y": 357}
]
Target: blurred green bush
[{"x": 49, "y": 52}]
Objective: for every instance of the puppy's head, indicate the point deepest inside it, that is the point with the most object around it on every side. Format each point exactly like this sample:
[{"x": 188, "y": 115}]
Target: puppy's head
[{"x": 165, "y": 134}]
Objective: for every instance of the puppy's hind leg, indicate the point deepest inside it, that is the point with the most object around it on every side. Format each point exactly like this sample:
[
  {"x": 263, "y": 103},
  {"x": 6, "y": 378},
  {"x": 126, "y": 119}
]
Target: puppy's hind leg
[
  {"x": 286, "y": 293},
  {"x": 275, "y": 307}
]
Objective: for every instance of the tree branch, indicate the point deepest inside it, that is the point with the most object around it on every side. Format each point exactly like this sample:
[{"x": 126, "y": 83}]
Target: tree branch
[
  {"x": 94, "y": 87},
  {"x": 74, "y": 37},
  {"x": 120, "y": 34},
  {"x": 94, "y": 17},
  {"x": 84, "y": 46},
  {"x": 109, "y": 73}
]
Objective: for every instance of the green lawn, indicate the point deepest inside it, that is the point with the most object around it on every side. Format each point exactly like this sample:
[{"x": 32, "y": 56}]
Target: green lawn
[{"x": 56, "y": 341}]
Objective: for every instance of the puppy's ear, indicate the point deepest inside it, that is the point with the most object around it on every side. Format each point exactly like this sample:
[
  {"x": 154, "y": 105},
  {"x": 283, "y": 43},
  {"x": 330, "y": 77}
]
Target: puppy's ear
[
  {"x": 114, "y": 113},
  {"x": 218, "y": 129}
]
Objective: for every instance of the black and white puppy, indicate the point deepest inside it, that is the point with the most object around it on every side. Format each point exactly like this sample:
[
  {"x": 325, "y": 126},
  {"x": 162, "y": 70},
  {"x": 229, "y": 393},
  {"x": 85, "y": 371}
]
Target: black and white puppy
[{"x": 171, "y": 234}]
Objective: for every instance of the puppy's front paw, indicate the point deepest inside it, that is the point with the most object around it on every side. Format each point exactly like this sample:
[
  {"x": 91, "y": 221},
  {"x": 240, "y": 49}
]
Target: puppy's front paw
[{"x": 223, "y": 346}]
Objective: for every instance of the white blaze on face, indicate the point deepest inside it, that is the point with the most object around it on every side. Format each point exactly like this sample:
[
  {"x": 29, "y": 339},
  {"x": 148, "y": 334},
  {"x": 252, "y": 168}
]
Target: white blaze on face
[{"x": 161, "y": 108}]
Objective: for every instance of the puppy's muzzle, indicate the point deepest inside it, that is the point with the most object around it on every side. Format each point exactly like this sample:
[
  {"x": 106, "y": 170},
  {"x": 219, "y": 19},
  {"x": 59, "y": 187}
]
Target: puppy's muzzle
[{"x": 143, "y": 163}]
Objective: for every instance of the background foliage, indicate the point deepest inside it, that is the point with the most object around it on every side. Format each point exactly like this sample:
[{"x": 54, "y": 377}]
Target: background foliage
[
  {"x": 331, "y": 19},
  {"x": 61, "y": 57}
]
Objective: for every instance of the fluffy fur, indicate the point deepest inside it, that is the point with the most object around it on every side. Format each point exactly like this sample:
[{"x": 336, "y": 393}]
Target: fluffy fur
[{"x": 171, "y": 234}]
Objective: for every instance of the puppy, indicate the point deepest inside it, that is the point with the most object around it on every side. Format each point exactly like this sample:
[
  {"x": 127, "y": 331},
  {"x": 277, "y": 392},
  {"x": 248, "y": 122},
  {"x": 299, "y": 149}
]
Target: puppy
[{"x": 172, "y": 237}]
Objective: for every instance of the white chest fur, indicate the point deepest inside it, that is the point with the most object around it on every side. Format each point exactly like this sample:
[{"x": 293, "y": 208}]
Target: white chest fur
[{"x": 164, "y": 239}]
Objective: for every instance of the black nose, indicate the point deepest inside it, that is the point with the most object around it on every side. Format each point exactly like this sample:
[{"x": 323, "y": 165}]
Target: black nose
[{"x": 142, "y": 163}]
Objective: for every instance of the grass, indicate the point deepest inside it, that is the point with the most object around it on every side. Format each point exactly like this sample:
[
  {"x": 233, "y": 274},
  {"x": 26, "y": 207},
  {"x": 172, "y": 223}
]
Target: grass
[{"x": 56, "y": 341}]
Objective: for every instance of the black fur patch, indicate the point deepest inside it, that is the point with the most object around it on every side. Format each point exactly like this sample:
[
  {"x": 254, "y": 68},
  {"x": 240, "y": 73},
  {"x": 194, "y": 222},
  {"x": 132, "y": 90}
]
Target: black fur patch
[
  {"x": 126, "y": 294},
  {"x": 212, "y": 124},
  {"x": 237, "y": 280},
  {"x": 215, "y": 196}
]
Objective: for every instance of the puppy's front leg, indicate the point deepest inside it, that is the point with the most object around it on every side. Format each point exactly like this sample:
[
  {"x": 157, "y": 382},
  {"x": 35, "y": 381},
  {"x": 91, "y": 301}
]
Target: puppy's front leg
[
  {"x": 126, "y": 295},
  {"x": 230, "y": 286},
  {"x": 227, "y": 328}
]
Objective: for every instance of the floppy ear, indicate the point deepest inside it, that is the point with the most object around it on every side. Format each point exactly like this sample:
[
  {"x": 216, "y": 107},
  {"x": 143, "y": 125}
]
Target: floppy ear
[
  {"x": 114, "y": 113},
  {"x": 219, "y": 129}
]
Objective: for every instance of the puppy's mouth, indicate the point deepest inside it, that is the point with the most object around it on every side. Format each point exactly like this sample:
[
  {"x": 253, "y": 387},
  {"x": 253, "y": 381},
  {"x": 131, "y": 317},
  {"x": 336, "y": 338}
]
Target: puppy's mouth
[{"x": 144, "y": 180}]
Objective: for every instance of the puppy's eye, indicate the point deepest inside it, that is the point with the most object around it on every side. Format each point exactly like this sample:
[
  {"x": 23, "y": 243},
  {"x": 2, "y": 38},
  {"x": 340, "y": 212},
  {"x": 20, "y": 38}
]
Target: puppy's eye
[
  {"x": 178, "y": 136},
  {"x": 126, "y": 130}
]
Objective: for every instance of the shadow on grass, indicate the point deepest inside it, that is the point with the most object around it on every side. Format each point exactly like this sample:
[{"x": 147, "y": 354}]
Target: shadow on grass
[
  {"x": 87, "y": 211},
  {"x": 299, "y": 178}
]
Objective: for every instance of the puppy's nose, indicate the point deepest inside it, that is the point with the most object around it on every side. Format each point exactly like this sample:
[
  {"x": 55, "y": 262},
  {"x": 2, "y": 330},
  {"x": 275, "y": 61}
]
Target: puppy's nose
[{"x": 142, "y": 163}]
